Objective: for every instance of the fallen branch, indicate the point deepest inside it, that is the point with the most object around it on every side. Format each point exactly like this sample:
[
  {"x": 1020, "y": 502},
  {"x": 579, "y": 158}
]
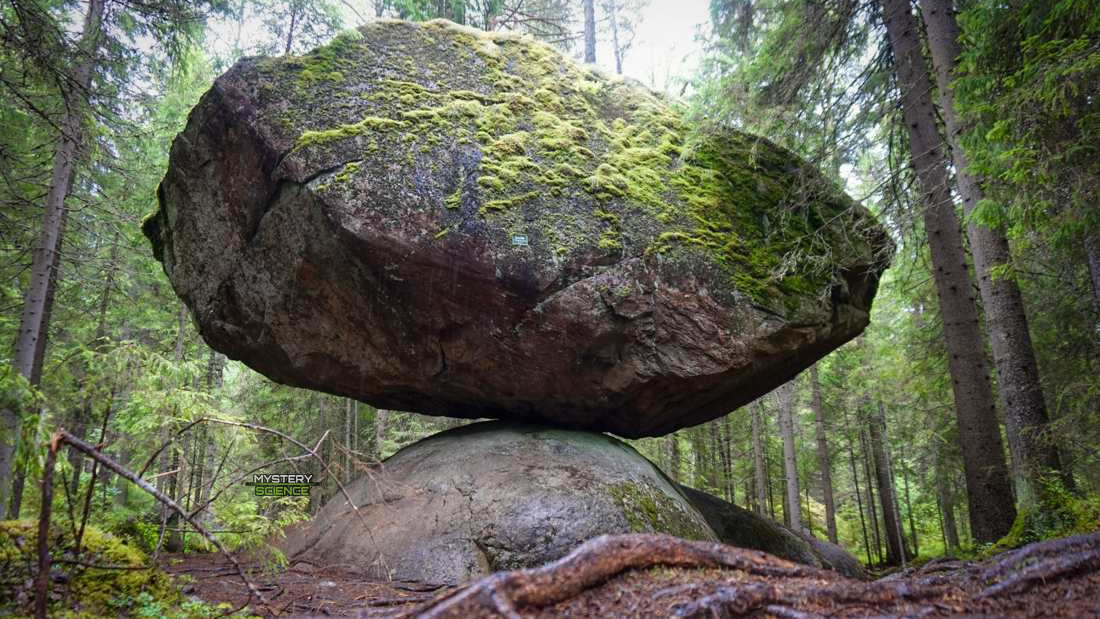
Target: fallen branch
[
  {"x": 101, "y": 566},
  {"x": 121, "y": 471},
  {"x": 172, "y": 439}
]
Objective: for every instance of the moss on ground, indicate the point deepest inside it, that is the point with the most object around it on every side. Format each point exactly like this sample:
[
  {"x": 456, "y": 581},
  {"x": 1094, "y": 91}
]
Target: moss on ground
[
  {"x": 79, "y": 591},
  {"x": 578, "y": 159},
  {"x": 1058, "y": 513}
]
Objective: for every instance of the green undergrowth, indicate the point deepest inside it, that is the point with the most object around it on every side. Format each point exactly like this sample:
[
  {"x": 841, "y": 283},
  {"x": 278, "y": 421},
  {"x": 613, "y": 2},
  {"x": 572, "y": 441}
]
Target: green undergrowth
[
  {"x": 575, "y": 158},
  {"x": 1059, "y": 513},
  {"x": 80, "y": 591}
]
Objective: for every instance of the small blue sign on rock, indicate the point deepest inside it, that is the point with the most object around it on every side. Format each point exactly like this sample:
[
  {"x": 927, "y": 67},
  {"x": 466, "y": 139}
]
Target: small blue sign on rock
[{"x": 520, "y": 240}]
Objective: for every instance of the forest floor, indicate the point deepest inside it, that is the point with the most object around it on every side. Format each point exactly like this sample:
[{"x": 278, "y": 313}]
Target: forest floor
[{"x": 1059, "y": 579}]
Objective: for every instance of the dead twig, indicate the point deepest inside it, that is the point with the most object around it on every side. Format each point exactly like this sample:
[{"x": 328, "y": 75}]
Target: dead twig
[
  {"x": 118, "y": 469},
  {"x": 100, "y": 566},
  {"x": 244, "y": 476},
  {"x": 328, "y": 470}
]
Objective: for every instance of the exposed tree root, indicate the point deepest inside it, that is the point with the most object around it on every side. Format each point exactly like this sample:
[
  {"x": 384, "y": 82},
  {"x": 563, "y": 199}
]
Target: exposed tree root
[
  {"x": 935, "y": 589},
  {"x": 596, "y": 561},
  {"x": 1021, "y": 569},
  {"x": 731, "y": 601}
]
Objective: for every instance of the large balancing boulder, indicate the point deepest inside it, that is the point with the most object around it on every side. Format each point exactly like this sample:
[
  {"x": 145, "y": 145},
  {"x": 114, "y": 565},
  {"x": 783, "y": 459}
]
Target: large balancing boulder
[
  {"x": 493, "y": 496},
  {"x": 433, "y": 219}
]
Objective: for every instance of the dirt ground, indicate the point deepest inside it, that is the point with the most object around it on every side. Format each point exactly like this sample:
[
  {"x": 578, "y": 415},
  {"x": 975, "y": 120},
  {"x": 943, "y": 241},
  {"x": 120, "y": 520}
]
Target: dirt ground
[{"x": 1055, "y": 583}]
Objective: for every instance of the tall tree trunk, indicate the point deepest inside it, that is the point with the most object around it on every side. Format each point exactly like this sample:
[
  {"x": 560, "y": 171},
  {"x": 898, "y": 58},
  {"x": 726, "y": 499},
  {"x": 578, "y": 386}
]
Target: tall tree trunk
[
  {"x": 859, "y": 499},
  {"x": 83, "y": 414},
  {"x": 589, "y": 31},
  {"x": 19, "y": 476},
  {"x": 786, "y": 396},
  {"x": 722, "y": 436},
  {"x": 673, "y": 444},
  {"x": 744, "y": 25},
  {"x": 347, "y": 439},
  {"x": 947, "y": 503},
  {"x": 290, "y": 28},
  {"x": 1092, "y": 259},
  {"x": 1027, "y": 424},
  {"x": 950, "y": 530},
  {"x": 909, "y": 511},
  {"x": 987, "y": 482},
  {"x": 758, "y": 464},
  {"x": 613, "y": 13},
  {"x": 166, "y": 456},
  {"x": 895, "y": 544},
  {"x": 380, "y": 418},
  {"x": 174, "y": 541},
  {"x": 32, "y": 322},
  {"x": 823, "y": 455},
  {"x": 214, "y": 368},
  {"x": 869, "y": 475},
  {"x": 355, "y": 426}
]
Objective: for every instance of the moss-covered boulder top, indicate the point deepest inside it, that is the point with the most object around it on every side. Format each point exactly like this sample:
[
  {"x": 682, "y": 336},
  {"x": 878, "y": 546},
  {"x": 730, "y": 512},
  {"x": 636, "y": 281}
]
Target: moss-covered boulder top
[{"x": 435, "y": 219}]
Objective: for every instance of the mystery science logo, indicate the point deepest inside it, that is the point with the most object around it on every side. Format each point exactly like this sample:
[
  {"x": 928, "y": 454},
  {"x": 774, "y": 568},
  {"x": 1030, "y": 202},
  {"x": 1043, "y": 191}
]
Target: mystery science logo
[{"x": 295, "y": 484}]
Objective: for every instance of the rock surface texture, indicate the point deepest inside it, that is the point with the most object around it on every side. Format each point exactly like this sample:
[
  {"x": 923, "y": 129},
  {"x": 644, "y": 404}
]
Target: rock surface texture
[
  {"x": 502, "y": 495},
  {"x": 493, "y": 496},
  {"x": 432, "y": 219},
  {"x": 740, "y": 527}
]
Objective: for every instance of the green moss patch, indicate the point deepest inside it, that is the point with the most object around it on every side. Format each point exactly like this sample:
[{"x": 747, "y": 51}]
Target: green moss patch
[
  {"x": 648, "y": 510},
  {"x": 575, "y": 159},
  {"x": 79, "y": 591}
]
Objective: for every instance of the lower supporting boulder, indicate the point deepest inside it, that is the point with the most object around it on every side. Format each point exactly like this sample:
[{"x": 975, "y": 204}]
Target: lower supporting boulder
[{"x": 501, "y": 496}]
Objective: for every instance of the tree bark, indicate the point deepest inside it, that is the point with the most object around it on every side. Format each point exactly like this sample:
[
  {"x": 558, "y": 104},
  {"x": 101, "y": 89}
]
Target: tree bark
[
  {"x": 947, "y": 504},
  {"x": 891, "y": 523},
  {"x": 987, "y": 482},
  {"x": 723, "y": 437},
  {"x": 909, "y": 511},
  {"x": 823, "y": 455},
  {"x": 590, "y": 31},
  {"x": 380, "y": 431},
  {"x": 19, "y": 476},
  {"x": 84, "y": 414},
  {"x": 32, "y": 322},
  {"x": 290, "y": 28},
  {"x": 758, "y": 464},
  {"x": 869, "y": 475},
  {"x": 347, "y": 440},
  {"x": 786, "y": 396},
  {"x": 1027, "y": 424},
  {"x": 859, "y": 499},
  {"x": 214, "y": 368},
  {"x": 1092, "y": 259},
  {"x": 673, "y": 444},
  {"x": 174, "y": 541}
]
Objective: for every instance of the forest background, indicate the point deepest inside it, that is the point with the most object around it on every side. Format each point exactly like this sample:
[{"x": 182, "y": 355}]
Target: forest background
[{"x": 874, "y": 447}]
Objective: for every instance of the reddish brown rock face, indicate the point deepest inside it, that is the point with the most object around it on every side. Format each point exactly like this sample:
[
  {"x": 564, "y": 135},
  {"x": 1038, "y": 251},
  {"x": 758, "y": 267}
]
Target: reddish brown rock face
[{"x": 337, "y": 234}]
